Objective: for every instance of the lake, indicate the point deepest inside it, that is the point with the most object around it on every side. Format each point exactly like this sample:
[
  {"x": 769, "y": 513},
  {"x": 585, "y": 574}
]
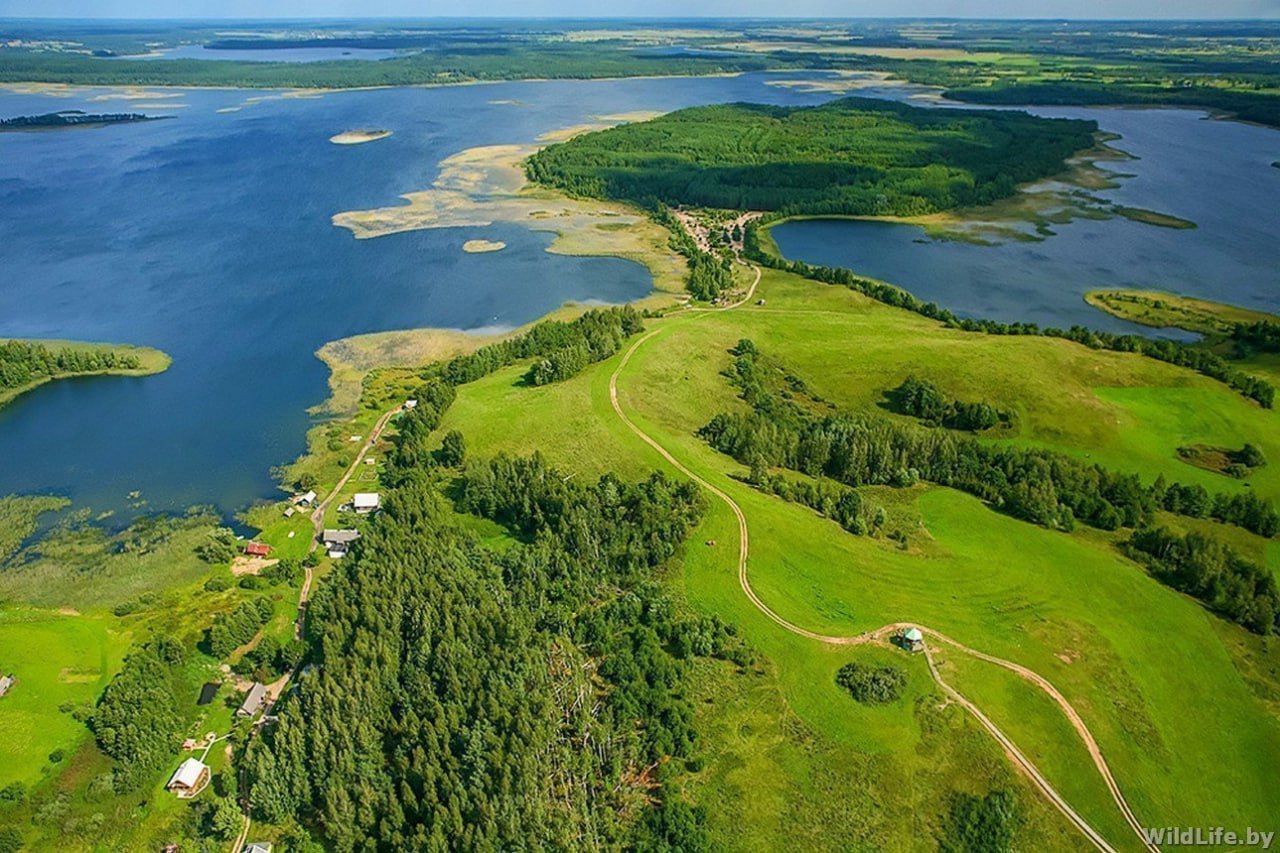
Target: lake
[
  {"x": 1217, "y": 174},
  {"x": 209, "y": 236}
]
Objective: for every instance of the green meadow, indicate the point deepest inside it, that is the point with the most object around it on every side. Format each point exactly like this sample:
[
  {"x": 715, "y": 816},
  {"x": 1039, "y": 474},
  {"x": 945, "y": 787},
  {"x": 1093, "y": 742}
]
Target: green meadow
[{"x": 1154, "y": 674}]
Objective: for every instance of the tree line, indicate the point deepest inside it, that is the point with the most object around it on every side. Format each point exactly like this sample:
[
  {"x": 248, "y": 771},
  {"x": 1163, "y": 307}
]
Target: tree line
[
  {"x": 592, "y": 337},
  {"x": 1041, "y": 486},
  {"x": 469, "y": 698},
  {"x": 1213, "y": 572},
  {"x": 1195, "y": 358},
  {"x": 24, "y": 362}
]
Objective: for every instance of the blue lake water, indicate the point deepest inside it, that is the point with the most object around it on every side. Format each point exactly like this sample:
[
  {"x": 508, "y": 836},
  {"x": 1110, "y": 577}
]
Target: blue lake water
[
  {"x": 208, "y": 235},
  {"x": 1217, "y": 174}
]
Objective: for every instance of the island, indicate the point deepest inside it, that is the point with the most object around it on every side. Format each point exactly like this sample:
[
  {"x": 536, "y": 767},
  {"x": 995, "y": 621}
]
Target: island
[
  {"x": 27, "y": 364},
  {"x": 479, "y": 247},
  {"x": 358, "y": 137},
  {"x": 71, "y": 119}
]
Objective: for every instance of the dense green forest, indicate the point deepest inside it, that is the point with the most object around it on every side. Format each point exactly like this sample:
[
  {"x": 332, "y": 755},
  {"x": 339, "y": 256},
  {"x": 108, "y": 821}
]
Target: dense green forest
[
  {"x": 850, "y": 156},
  {"x": 524, "y": 697},
  {"x": 24, "y": 362}
]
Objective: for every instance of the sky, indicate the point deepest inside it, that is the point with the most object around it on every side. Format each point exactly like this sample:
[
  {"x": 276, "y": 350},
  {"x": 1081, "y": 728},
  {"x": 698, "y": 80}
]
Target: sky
[{"x": 642, "y": 8}]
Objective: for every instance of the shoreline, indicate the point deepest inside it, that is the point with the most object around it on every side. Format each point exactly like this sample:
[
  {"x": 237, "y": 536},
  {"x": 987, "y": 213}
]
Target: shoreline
[{"x": 152, "y": 361}]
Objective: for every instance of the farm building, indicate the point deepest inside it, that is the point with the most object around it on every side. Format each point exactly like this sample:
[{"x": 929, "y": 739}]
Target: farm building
[
  {"x": 252, "y": 700},
  {"x": 338, "y": 542},
  {"x": 366, "y": 501},
  {"x": 6, "y": 682},
  {"x": 256, "y": 549},
  {"x": 189, "y": 779}
]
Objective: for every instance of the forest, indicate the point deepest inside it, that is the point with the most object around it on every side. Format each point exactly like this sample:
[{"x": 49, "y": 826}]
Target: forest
[
  {"x": 23, "y": 362},
  {"x": 524, "y": 697},
  {"x": 855, "y": 156}
]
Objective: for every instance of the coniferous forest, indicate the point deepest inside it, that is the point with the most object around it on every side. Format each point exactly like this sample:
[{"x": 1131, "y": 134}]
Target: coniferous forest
[{"x": 851, "y": 156}]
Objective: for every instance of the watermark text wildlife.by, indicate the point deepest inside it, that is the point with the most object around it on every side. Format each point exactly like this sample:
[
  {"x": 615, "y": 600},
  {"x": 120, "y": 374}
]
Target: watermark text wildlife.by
[{"x": 1207, "y": 836}]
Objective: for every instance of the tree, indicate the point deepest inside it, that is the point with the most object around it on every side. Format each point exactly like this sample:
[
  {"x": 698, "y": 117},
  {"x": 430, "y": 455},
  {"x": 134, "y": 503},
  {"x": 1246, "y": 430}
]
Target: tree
[
  {"x": 453, "y": 449},
  {"x": 227, "y": 821}
]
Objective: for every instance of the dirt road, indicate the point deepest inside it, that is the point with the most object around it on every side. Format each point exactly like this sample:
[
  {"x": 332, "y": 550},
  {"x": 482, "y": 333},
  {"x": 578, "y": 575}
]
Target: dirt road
[{"x": 879, "y": 634}]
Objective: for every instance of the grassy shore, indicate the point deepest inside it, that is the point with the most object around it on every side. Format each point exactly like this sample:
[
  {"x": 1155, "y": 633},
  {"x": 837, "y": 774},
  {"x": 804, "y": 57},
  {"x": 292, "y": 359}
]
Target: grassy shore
[
  {"x": 150, "y": 361},
  {"x": 1169, "y": 310}
]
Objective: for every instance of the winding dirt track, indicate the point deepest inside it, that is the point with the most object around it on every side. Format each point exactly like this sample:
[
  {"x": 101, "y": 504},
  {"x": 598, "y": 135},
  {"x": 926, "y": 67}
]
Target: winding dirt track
[{"x": 878, "y": 634}]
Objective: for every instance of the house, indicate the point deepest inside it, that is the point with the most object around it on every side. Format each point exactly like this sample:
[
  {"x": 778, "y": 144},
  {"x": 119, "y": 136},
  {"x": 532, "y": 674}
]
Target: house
[
  {"x": 411, "y": 404},
  {"x": 6, "y": 682},
  {"x": 258, "y": 847},
  {"x": 189, "y": 779},
  {"x": 913, "y": 640},
  {"x": 305, "y": 500},
  {"x": 338, "y": 542},
  {"x": 366, "y": 501},
  {"x": 252, "y": 700},
  {"x": 256, "y": 549}
]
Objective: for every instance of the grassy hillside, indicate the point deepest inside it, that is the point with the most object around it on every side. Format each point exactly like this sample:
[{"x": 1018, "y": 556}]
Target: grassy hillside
[
  {"x": 1155, "y": 676},
  {"x": 851, "y": 156}
]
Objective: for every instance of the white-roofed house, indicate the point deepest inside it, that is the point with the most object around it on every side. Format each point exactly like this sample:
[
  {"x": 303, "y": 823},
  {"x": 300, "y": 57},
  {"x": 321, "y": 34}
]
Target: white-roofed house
[
  {"x": 366, "y": 501},
  {"x": 191, "y": 777}
]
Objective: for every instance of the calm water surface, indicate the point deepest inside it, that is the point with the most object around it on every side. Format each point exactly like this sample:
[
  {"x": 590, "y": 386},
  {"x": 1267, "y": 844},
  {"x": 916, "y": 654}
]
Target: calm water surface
[
  {"x": 1217, "y": 174},
  {"x": 208, "y": 235}
]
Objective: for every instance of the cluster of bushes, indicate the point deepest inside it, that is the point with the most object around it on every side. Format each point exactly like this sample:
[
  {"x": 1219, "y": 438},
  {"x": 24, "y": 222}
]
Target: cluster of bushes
[
  {"x": 270, "y": 659},
  {"x": 872, "y": 684},
  {"x": 508, "y": 698},
  {"x": 22, "y": 363},
  {"x": 1212, "y": 572},
  {"x": 230, "y": 631},
  {"x": 981, "y": 824},
  {"x": 841, "y": 504},
  {"x": 922, "y": 399},
  {"x": 136, "y": 721},
  {"x": 1250, "y": 338},
  {"x": 1183, "y": 355},
  {"x": 219, "y": 548},
  {"x": 1041, "y": 486}
]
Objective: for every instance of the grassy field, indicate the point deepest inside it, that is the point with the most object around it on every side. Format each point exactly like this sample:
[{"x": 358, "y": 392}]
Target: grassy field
[{"x": 1155, "y": 676}]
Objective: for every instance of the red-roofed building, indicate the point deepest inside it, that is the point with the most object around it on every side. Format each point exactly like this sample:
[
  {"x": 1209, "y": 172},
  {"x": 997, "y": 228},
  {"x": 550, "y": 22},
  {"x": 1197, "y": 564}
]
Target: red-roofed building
[{"x": 256, "y": 549}]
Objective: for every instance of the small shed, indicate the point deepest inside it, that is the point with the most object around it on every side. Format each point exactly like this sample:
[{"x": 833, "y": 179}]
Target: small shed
[
  {"x": 189, "y": 779},
  {"x": 305, "y": 499},
  {"x": 366, "y": 501},
  {"x": 252, "y": 700},
  {"x": 913, "y": 640},
  {"x": 411, "y": 404},
  {"x": 6, "y": 681},
  {"x": 256, "y": 549}
]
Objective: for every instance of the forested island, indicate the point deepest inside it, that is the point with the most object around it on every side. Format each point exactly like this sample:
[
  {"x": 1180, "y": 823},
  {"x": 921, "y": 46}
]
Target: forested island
[
  {"x": 70, "y": 118},
  {"x": 27, "y": 364},
  {"x": 856, "y": 156}
]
